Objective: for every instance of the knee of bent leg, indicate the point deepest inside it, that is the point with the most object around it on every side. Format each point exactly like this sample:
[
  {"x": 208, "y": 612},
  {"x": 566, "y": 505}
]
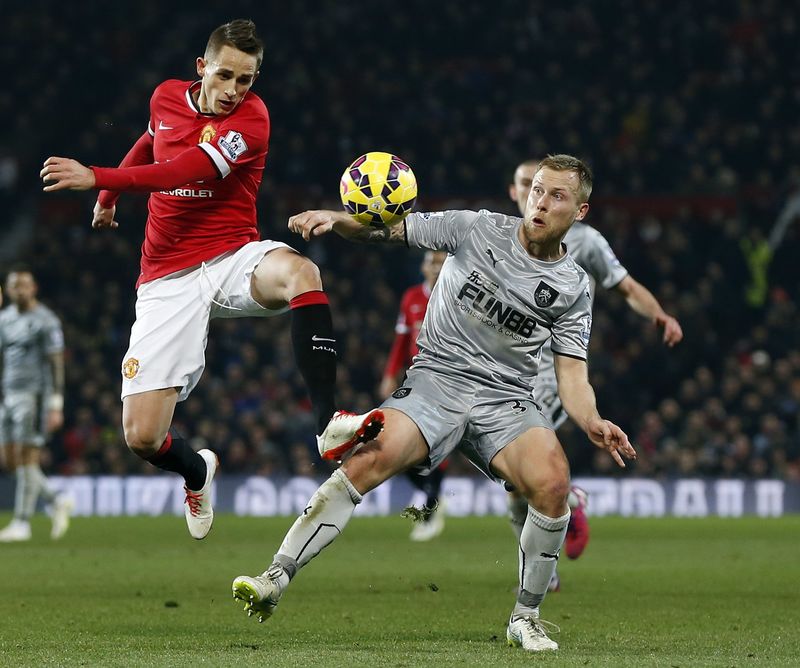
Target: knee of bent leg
[
  {"x": 305, "y": 276},
  {"x": 143, "y": 439},
  {"x": 369, "y": 467},
  {"x": 548, "y": 490}
]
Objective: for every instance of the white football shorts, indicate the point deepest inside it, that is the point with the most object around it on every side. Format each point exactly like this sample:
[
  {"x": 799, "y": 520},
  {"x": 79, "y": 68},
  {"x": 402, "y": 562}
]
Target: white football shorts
[{"x": 168, "y": 339}]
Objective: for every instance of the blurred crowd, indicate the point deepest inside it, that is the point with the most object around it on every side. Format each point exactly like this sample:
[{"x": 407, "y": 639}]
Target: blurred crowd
[{"x": 687, "y": 114}]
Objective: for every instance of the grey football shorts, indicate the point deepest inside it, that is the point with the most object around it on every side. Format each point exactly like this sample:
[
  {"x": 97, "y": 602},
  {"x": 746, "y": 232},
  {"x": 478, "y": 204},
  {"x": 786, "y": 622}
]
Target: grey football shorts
[
  {"x": 547, "y": 397},
  {"x": 22, "y": 419},
  {"x": 454, "y": 412}
]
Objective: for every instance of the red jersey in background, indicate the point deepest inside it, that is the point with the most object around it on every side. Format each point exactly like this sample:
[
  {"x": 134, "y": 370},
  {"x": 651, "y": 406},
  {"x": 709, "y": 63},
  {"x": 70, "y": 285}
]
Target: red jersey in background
[{"x": 412, "y": 312}]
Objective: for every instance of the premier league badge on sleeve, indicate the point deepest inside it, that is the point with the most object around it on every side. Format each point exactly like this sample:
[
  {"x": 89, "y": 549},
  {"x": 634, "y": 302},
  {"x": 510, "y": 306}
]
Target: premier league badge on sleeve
[{"x": 545, "y": 295}]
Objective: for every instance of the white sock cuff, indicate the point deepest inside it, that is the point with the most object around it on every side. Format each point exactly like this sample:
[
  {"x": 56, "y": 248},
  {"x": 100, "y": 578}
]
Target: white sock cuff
[
  {"x": 548, "y": 523},
  {"x": 341, "y": 476}
]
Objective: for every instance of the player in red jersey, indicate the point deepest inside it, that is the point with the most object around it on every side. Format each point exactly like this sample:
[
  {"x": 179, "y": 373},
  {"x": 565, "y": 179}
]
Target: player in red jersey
[
  {"x": 202, "y": 159},
  {"x": 413, "y": 306}
]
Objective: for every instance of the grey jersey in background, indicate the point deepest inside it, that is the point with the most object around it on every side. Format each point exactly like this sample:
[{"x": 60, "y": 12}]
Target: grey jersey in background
[
  {"x": 26, "y": 341},
  {"x": 593, "y": 253},
  {"x": 494, "y": 306}
]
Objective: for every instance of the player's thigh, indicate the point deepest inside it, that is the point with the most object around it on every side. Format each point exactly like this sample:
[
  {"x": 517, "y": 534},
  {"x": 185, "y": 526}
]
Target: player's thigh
[
  {"x": 25, "y": 419},
  {"x": 439, "y": 405},
  {"x": 399, "y": 446},
  {"x": 281, "y": 275},
  {"x": 535, "y": 464},
  {"x": 168, "y": 338},
  {"x": 146, "y": 418}
]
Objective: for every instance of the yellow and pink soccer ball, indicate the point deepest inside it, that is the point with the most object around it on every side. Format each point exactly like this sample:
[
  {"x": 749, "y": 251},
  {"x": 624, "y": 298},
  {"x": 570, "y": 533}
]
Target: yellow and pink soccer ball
[{"x": 378, "y": 189}]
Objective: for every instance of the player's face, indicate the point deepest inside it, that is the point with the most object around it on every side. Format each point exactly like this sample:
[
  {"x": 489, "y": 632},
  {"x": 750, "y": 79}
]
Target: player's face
[
  {"x": 21, "y": 288},
  {"x": 432, "y": 266},
  {"x": 553, "y": 205},
  {"x": 227, "y": 76},
  {"x": 523, "y": 179}
]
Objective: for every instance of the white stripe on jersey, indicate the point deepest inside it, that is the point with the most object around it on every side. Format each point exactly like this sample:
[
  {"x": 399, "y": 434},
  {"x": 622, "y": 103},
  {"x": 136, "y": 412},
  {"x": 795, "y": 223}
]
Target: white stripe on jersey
[{"x": 220, "y": 162}]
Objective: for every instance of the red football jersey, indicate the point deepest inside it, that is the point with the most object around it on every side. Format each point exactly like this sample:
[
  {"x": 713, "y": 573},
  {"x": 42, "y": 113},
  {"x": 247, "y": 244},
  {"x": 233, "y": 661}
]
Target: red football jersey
[
  {"x": 202, "y": 220},
  {"x": 412, "y": 312}
]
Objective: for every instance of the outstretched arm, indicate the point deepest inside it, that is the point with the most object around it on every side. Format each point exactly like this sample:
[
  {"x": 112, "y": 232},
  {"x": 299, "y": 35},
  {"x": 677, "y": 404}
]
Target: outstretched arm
[
  {"x": 579, "y": 401},
  {"x": 190, "y": 166},
  {"x": 316, "y": 223},
  {"x": 641, "y": 300}
]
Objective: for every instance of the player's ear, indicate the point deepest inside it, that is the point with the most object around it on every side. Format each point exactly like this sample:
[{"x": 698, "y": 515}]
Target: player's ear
[
  {"x": 512, "y": 191},
  {"x": 255, "y": 76},
  {"x": 583, "y": 209},
  {"x": 201, "y": 67}
]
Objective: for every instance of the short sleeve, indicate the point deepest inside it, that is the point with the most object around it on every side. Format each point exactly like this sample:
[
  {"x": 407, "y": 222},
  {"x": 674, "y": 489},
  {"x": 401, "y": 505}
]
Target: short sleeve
[
  {"x": 572, "y": 330},
  {"x": 53, "y": 336},
  {"x": 440, "y": 230},
  {"x": 601, "y": 262}
]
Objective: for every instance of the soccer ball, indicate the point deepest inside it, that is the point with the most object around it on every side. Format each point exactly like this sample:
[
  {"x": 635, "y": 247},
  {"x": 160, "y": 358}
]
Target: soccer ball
[{"x": 378, "y": 189}]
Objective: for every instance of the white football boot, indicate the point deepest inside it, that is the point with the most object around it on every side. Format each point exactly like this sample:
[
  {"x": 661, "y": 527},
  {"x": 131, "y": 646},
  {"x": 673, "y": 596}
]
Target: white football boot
[
  {"x": 262, "y": 592},
  {"x": 347, "y": 430},
  {"x": 61, "y": 512},
  {"x": 430, "y": 528},
  {"x": 529, "y": 632},
  {"x": 197, "y": 506},
  {"x": 16, "y": 532}
]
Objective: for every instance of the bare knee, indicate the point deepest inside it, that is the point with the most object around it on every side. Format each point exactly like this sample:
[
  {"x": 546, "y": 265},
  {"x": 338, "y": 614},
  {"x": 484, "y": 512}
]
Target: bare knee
[
  {"x": 282, "y": 275},
  {"x": 548, "y": 494},
  {"x": 143, "y": 439},
  {"x": 305, "y": 277},
  {"x": 365, "y": 470},
  {"x": 374, "y": 464}
]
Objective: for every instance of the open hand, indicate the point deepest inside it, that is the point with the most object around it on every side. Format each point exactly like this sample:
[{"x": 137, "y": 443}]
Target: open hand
[
  {"x": 609, "y": 437},
  {"x": 673, "y": 333},
  {"x": 66, "y": 174}
]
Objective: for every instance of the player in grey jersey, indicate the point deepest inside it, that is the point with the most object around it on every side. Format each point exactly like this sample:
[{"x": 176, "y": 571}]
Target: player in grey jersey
[
  {"x": 506, "y": 287},
  {"x": 32, "y": 353},
  {"x": 589, "y": 248}
]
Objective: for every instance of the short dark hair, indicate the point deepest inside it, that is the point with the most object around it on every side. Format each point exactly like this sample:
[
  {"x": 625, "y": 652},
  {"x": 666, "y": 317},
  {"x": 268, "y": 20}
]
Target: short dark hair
[
  {"x": 20, "y": 268},
  {"x": 241, "y": 35},
  {"x": 568, "y": 163}
]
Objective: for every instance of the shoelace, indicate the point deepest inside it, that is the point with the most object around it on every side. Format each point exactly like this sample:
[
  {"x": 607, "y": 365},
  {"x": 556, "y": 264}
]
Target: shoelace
[
  {"x": 541, "y": 627},
  {"x": 193, "y": 499}
]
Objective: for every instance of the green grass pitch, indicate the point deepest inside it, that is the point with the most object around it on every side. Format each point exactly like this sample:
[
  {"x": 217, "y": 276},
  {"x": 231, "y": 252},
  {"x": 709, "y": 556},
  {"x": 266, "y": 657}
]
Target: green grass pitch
[{"x": 140, "y": 592}]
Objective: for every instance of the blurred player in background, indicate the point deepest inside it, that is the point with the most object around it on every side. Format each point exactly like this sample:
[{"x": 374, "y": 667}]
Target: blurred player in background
[
  {"x": 32, "y": 354},
  {"x": 202, "y": 159},
  {"x": 594, "y": 254},
  {"x": 413, "y": 306},
  {"x": 507, "y": 287}
]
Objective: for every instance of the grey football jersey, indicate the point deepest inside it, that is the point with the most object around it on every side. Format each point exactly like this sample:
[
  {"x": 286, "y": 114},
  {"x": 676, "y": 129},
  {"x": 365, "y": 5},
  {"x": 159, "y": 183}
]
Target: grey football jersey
[
  {"x": 593, "y": 253},
  {"x": 26, "y": 340},
  {"x": 494, "y": 305}
]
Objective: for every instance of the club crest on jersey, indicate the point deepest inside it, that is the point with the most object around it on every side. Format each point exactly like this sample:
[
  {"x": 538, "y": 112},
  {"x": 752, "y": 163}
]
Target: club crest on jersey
[
  {"x": 233, "y": 145},
  {"x": 207, "y": 134},
  {"x": 545, "y": 295},
  {"x": 402, "y": 393},
  {"x": 130, "y": 367}
]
